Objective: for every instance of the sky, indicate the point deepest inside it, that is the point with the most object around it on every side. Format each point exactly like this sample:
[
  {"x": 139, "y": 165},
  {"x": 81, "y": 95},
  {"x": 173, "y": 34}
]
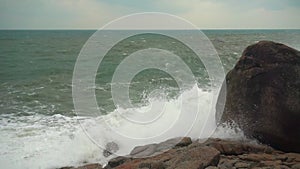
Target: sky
[{"x": 205, "y": 14}]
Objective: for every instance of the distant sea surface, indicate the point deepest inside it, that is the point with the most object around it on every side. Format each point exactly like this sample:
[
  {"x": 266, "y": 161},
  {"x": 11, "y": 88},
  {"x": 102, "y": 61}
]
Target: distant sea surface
[{"x": 37, "y": 124}]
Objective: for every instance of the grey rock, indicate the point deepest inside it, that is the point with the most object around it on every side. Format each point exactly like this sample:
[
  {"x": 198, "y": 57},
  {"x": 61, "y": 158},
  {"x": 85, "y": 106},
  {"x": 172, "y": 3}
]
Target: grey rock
[{"x": 110, "y": 148}]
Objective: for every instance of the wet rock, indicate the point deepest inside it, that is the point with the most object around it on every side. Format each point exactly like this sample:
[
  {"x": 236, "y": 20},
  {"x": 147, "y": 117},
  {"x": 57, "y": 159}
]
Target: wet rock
[
  {"x": 271, "y": 163},
  {"x": 152, "y": 149},
  {"x": 88, "y": 166},
  {"x": 196, "y": 158},
  {"x": 110, "y": 148},
  {"x": 226, "y": 163},
  {"x": 155, "y": 165},
  {"x": 143, "y": 151},
  {"x": 116, "y": 162},
  {"x": 91, "y": 166},
  {"x": 282, "y": 167},
  {"x": 263, "y": 95},
  {"x": 211, "y": 167},
  {"x": 257, "y": 157},
  {"x": 296, "y": 166},
  {"x": 185, "y": 141},
  {"x": 182, "y": 156},
  {"x": 241, "y": 165},
  {"x": 293, "y": 157},
  {"x": 232, "y": 147},
  {"x": 233, "y": 154}
]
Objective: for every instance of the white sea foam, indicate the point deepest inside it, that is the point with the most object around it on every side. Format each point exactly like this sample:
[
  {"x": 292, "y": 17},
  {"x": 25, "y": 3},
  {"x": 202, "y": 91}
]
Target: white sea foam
[{"x": 54, "y": 141}]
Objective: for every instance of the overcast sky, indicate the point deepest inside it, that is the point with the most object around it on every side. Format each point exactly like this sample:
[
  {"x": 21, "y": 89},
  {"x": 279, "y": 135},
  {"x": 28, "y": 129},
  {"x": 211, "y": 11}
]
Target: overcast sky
[{"x": 92, "y": 14}]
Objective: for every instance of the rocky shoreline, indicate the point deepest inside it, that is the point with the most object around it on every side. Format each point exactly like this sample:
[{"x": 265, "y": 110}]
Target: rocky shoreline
[
  {"x": 210, "y": 154},
  {"x": 262, "y": 98}
]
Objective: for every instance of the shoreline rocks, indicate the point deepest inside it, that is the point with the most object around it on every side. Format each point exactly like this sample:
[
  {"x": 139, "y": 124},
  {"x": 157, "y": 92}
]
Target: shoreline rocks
[
  {"x": 263, "y": 95},
  {"x": 212, "y": 154}
]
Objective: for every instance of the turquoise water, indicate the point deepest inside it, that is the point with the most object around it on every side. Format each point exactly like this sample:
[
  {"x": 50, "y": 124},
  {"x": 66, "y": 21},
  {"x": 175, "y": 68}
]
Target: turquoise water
[{"x": 38, "y": 126}]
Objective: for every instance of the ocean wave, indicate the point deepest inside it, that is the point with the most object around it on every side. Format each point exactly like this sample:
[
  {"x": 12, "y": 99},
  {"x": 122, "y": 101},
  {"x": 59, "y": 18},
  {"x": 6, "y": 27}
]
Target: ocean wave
[{"x": 40, "y": 141}]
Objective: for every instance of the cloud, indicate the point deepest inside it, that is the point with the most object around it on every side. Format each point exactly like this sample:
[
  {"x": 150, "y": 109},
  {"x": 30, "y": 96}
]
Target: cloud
[
  {"x": 236, "y": 14},
  {"x": 76, "y": 14},
  {"x": 56, "y": 14}
]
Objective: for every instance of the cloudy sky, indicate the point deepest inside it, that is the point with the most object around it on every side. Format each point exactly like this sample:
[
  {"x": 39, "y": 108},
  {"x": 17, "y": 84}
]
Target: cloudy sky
[{"x": 92, "y": 14}]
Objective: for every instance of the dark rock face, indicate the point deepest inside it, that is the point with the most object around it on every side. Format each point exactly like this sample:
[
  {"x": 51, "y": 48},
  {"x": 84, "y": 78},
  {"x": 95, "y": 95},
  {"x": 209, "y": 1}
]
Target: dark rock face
[{"x": 263, "y": 95}]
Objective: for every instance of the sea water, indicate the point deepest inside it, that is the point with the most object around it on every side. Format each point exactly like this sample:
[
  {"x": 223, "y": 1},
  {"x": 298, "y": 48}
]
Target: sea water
[{"x": 39, "y": 127}]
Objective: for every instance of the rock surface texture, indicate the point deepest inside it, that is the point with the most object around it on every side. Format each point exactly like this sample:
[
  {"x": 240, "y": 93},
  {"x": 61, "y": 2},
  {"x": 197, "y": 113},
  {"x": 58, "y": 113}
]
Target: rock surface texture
[
  {"x": 211, "y": 154},
  {"x": 263, "y": 95}
]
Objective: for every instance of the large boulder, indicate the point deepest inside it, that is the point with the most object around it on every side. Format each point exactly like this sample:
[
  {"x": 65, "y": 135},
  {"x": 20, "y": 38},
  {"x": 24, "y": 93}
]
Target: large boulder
[{"x": 263, "y": 95}]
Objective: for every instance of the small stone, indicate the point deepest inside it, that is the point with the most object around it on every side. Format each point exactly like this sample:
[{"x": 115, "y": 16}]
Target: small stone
[
  {"x": 281, "y": 157},
  {"x": 231, "y": 147},
  {"x": 152, "y": 165},
  {"x": 283, "y": 167},
  {"x": 241, "y": 165},
  {"x": 145, "y": 165},
  {"x": 271, "y": 163},
  {"x": 144, "y": 151},
  {"x": 293, "y": 157},
  {"x": 257, "y": 157},
  {"x": 91, "y": 166},
  {"x": 110, "y": 148},
  {"x": 116, "y": 161},
  {"x": 185, "y": 141},
  {"x": 289, "y": 164},
  {"x": 226, "y": 163},
  {"x": 296, "y": 166},
  {"x": 211, "y": 167}
]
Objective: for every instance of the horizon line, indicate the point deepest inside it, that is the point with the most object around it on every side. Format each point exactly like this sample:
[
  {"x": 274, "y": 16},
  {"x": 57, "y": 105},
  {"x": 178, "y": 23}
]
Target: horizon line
[{"x": 93, "y": 29}]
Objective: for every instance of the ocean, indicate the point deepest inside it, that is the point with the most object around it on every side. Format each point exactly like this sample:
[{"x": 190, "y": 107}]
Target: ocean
[{"x": 39, "y": 127}]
